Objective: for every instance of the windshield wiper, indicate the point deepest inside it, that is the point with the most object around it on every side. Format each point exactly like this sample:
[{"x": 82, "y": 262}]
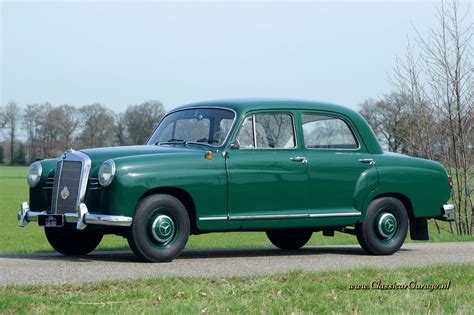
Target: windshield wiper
[
  {"x": 207, "y": 140},
  {"x": 173, "y": 141},
  {"x": 202, "y": 141}
]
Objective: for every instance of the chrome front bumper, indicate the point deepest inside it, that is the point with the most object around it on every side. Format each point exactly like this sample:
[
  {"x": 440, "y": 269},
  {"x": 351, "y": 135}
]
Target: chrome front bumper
[
  {"x": 449, "y": 208},
  {"x": 82, "y": 217}
]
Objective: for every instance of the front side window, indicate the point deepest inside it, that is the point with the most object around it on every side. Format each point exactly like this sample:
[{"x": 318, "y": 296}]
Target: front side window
[
  {"x": 203, "y": 125},
  {"x": 326, "y": 132},
  {"x": 267, "y": 131},
  {"x": 246, "y": 138}
]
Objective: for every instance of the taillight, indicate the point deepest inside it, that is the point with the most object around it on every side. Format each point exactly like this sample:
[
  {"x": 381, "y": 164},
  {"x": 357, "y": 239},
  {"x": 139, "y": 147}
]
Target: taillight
[{"x": 450, "y": 179}]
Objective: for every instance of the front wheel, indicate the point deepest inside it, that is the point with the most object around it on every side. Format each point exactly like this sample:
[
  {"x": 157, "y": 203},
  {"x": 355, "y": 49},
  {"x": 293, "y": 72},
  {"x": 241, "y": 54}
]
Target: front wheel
[
  {"x": 289, "y": 239},
  {"x": 160, "y": 228},
  {"x": 385, "y": 227},
  {"x": 71, "y": 242}
]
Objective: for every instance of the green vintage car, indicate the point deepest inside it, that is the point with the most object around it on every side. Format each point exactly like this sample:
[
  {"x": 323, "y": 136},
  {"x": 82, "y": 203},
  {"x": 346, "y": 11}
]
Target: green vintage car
[{"x": 285, "y": 167}]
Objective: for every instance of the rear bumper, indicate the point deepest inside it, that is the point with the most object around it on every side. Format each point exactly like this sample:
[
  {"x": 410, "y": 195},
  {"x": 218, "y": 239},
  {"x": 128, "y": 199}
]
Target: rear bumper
[
  {"x": 82, "y": 217},
  {"x": 446, "y": 212},
  {"x": 449, "y": 208}
]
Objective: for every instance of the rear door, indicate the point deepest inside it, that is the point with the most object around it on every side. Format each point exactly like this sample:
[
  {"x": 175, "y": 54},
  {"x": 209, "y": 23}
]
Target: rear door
[{"x": 340, "y": 169}]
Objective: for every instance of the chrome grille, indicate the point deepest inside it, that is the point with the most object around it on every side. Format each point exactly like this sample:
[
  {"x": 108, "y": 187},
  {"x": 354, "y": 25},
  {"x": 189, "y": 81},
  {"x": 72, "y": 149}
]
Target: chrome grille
[
  {"x": 66, "y": 188},
  {"x": 70, "y": 182}
]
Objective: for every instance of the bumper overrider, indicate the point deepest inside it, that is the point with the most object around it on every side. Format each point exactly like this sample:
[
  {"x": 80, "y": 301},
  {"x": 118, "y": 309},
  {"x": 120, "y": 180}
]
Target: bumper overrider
[
  {"x": 447, "y": 213},
  {"x": 82, "y": 217},
  {"x": 449, "y": 208}
]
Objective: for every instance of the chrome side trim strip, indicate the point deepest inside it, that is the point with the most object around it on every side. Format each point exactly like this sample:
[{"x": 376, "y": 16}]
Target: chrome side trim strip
[
  {"x": 329, "y": 215},
  {"x": 268, "y": 216},
  {"x": 280, "y": 216},
  {"x": 213, "y": 218}
]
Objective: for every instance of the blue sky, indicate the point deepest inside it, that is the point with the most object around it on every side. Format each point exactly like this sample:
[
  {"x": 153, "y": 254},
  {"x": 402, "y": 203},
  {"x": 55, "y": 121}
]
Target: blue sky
[{"x": 120, "y": 53}]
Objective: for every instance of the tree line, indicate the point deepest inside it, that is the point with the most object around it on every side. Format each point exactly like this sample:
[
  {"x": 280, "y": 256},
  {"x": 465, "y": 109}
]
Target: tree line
[{"x": 39, "y": 131}]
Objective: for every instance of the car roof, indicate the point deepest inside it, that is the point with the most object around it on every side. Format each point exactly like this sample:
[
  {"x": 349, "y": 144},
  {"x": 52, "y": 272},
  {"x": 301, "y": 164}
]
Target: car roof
[{"x": 245, "y": 105}]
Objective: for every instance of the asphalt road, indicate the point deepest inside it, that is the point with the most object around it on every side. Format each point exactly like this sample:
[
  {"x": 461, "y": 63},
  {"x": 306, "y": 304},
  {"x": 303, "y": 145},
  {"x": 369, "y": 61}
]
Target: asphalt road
[{"x": 97, "y": 266}]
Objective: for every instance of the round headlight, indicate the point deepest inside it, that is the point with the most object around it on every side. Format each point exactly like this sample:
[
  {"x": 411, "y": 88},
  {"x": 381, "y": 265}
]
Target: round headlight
[
  {"x": 106, "y": 173},
  {"x": 34, "y": 174}
]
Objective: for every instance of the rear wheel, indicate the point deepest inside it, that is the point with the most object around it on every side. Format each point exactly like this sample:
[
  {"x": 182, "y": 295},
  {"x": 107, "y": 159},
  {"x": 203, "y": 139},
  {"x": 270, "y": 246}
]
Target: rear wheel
[
  {"x": 385, "y": 227},
  {"x": 289, "y": 239},
  {"x": 160, "y": 228},
  {"x": 70, "y": 242}
]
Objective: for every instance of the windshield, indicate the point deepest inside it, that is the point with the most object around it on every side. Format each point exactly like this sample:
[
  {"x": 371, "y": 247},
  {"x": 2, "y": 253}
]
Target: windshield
[{"x": 202, "y": 125}]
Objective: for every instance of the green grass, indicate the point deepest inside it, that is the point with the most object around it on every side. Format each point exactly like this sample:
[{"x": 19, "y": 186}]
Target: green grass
[
  {"x": 14, "y": 190},
  {"x": 295, "y": 292}
]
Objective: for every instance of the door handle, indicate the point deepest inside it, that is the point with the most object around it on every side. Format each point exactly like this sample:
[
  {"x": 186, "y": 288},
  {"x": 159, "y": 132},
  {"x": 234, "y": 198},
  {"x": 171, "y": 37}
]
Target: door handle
[
  {"x": 369, "y": 161},
  {"x": 300, "y": 159}
]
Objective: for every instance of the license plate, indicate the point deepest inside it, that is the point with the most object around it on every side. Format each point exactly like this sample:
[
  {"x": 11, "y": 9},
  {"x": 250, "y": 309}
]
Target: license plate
[{"x": 51, "y": 220}]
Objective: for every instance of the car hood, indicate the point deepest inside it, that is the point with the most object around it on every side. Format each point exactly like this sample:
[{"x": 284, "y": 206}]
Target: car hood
[{"x": 99, "y": 155}]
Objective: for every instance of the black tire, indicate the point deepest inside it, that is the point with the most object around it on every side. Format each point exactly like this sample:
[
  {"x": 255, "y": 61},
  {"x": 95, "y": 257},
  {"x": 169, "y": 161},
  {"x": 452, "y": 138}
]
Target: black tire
[
  {"x": 160, "y": 228},
  {"x": 71, "y": 242},
  {"x": 289, "y": 239},
  {"x": 385, "y": 227}
]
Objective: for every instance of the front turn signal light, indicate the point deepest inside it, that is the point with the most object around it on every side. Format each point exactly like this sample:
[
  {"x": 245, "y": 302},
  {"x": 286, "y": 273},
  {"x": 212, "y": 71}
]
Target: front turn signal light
[{"x": 208, "y": 155}]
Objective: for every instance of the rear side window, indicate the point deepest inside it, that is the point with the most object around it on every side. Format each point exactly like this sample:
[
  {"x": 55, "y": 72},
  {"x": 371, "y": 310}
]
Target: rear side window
[
  {"x": 267, "y": 131},
  {"x": 326, "y": 132}
]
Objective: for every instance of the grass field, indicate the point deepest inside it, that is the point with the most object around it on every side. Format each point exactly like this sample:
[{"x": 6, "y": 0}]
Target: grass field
[
  {"x": 295, "y": 292},
  {"x": 14, "y": 190}
]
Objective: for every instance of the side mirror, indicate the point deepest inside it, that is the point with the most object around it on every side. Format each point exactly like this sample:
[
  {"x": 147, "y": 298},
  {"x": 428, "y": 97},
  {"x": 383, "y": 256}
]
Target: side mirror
[{"x": 235, "y": 145}]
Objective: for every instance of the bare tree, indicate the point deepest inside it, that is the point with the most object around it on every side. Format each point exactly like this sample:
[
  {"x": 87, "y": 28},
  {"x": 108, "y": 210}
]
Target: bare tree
[
  {"x": 436, "y": 84},
  {"x": 11, "y": 118},
  {"x": 68, "y": 124},
  {"x": 98, "y": 127},
  {"x": 32, "y": 119},
  {"x": 448, "y": 61},
  {"x": 439, "y": 84},
  {"x": 140, "y": 120},
  {"x": 390, "y": 121},
  {"x": 120, "y": 129},
  {"x": 419, "y": 128},
  {"x": 49, "y": 131}
]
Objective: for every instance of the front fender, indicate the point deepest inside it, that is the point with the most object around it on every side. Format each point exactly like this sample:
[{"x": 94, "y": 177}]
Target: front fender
[
  {"x": 37, "y": 195},
  {"x": 205, "y": 180}
]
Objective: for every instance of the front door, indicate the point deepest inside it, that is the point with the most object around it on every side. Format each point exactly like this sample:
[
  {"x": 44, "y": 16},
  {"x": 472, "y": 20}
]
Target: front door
[{"x": 267, "y": 173}]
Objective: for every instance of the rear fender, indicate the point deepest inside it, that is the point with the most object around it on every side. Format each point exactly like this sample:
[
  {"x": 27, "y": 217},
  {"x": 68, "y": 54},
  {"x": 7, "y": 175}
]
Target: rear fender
[{"x": 426, "y": 189}]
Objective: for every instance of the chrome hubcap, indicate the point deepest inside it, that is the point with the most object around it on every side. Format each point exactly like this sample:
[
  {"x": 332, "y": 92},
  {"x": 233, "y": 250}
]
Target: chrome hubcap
[
  {"x": 387, "y": 225},
  {"x": 163, "y": 228}
]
